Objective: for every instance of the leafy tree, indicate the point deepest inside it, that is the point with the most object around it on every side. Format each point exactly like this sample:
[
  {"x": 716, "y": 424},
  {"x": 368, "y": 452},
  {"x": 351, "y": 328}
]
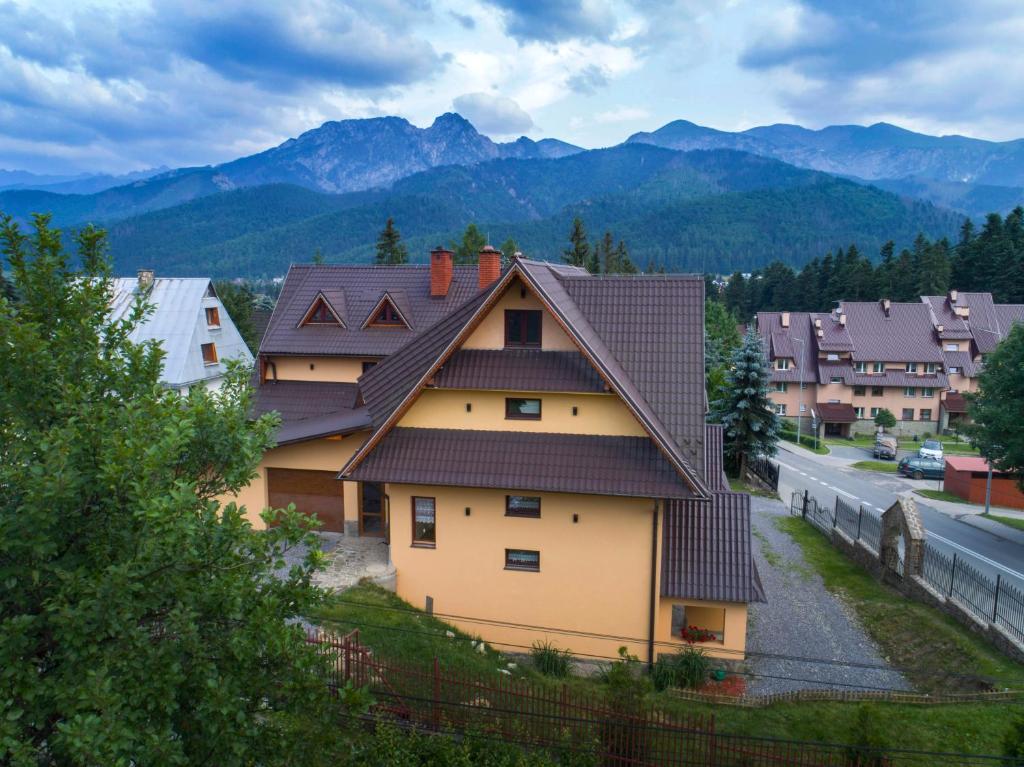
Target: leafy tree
[
  {"x": 468, "y": 251},
  {"x": 509, "y": 248},
  {"x": 578, "y": 254},
  {"x": 885, "y": 419},
  {"x": 141, "y": 621},
  {"x": 997, "y": 408},
  {"x": 390, "y": 248},
  {"x": 239, "y": 301},
  {"x": 746, "y": 411}
]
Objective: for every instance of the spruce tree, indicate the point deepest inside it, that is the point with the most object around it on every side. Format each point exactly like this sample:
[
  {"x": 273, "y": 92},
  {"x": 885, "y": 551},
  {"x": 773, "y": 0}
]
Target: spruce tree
[
  {"x": 623, "y": 264},
  {"x": 579, "y": 252},
  {"x": 390, "y": 248},
  {"x": 468, "y": 251},
  {"x": 606, "y": 247},
  {"x": 746, "y": 410},
  {"x": 509, "y": 249}
]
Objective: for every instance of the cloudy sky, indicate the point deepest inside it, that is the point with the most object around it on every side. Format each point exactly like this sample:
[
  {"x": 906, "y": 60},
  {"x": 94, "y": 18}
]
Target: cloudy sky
[{"x": 120, "y": 85}]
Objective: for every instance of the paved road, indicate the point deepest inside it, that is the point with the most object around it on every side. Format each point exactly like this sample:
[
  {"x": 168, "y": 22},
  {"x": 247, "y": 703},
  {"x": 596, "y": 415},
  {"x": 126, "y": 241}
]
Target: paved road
[{"x": 826, "y": 477}]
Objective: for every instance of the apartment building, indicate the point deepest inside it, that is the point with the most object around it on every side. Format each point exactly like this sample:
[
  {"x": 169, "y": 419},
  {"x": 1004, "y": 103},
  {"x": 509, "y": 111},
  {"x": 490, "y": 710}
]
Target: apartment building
[{"x": 837, "y": 370}]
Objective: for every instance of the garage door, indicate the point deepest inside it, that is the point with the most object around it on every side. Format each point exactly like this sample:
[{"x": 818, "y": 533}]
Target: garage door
[{"x": 312, "y": 492}]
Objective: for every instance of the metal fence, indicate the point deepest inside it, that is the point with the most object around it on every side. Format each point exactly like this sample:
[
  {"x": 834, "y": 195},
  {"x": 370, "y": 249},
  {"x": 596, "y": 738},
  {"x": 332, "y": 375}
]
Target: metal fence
[
  {"x": 991, "y": 600},
  {"x": 562, "y": 718},
  {"x": 766, "y": 471}
]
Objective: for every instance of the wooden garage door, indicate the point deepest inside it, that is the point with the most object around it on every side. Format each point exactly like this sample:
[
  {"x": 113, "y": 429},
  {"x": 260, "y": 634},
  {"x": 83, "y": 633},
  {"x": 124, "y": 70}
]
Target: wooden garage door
[{"x": 312, "y": 492}]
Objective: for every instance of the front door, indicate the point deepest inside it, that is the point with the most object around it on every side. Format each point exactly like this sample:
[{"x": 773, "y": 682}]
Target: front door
[{"x": 371, "y": 510}]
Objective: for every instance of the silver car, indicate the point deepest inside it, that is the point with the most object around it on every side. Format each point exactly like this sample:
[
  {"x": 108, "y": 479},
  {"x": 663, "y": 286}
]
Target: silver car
[{"x": 931, "y": 448}]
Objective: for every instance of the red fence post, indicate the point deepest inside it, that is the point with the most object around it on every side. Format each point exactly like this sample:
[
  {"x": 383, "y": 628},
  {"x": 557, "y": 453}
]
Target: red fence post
[{"x": 437, "y": 696}]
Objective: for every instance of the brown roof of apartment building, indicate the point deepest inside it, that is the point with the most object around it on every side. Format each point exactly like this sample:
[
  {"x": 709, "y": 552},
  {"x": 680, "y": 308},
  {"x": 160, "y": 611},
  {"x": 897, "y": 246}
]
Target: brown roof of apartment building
[
  {"x": 830, "y": 334},
  {"x": 644, "y": 335},
  {"x": 955, "y": 403},
  {"x": 848, "y": 375},
  {"x": 311, "y": 409},
  {"x": 542, "y": 462},
  {"x": 904, "y": 333},
  {"x": 954, "y": 327},
  {"x": 802, "y": 345},
  {"x": 352, "y": 292},
  {"x": 961, "y": 363},
  {"x": 518, "y": 370},
  {"x": 707, "y": 551},
  {"x": 836, "y": 412}
]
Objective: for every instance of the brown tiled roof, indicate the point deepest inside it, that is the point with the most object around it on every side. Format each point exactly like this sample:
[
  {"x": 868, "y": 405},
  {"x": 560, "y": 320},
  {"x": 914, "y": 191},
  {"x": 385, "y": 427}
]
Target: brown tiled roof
[
  {"x": 844, "y": 369},
  {"x": 389, "y": 382},
  {"x": 707, "y": 551},
  {"x": 955, "y": 403},
  {"x": 714, "y": 469},
  {"x": 953, "y": 326},
  {"x": 835, "y": 412},
  {"x": 804, "y": 355},
  {"x": 260, "y": 319},
  {"x": 560, "y": 463},
  {"x": 835, "y": 337},
  {"x": 963, "y": 362},
  {"x": 354, "y": 290},
  {"x": 905, "y": 335},
  {"x": 519, "y": 370},
  {"x": 311, "y": 409}
]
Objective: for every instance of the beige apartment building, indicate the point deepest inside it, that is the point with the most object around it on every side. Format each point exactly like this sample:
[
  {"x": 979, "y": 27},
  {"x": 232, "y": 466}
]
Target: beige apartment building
[{"x": 836, "y": 370}]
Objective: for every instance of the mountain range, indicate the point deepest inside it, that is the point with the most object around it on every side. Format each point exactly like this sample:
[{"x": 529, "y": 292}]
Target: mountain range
[{"x": 684, "y": 196}]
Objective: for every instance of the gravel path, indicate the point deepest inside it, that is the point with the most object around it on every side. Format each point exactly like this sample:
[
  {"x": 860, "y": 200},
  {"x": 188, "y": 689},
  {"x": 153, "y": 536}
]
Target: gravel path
[{"x": 803, "y": 619}]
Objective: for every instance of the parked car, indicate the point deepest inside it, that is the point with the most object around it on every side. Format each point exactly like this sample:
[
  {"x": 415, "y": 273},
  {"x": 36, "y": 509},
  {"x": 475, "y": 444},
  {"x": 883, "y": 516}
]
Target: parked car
[
  {"x": 922, "y": 468},
  {"x": 931, "y": 448},
  {"x": 885, "y": 447}
]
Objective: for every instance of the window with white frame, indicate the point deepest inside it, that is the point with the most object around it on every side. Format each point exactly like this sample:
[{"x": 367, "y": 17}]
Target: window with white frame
[
  {"x": 780, "y": 409},
  {"x": 835, "y": 379},
  {"x": 952, "y": 347},
  {"x": 929, "y": 367},
  {"x": 878, "y": 367},
  {"x": 781, "y": 386},
  {"x": 875, "y": 411},
  {"x": 911, "y": 367},
  {"x": 927, "y": 392},
  {"x": 832, "y": 357},
  {"x": 860, "y": 367},
  {"x": 803, "y": 408},
  {"x": 859, "y": 412},
  {"x": 782, "y": 364},
  {"x": 909, "y": 391},
  {"x": 926, "y": 414}
]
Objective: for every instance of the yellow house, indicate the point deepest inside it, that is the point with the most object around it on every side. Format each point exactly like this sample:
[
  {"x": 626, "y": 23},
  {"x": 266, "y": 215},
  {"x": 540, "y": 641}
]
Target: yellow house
[{"x": 531, "y": 444}]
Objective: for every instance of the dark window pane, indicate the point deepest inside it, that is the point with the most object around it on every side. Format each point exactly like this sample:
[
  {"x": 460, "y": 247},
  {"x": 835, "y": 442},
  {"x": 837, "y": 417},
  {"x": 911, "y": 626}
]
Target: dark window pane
[
  {"x": 423, "y": 524},
  {"x": 519, "y": 559},
  {"x": 522, "y": 506},
  {"x": 532, "y": 328},
  {"x": 522, "y": 327},
  {"x": 527, "y": 409}
]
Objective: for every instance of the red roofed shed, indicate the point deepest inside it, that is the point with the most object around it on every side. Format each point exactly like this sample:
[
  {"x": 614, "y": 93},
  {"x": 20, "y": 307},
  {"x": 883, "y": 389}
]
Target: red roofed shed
[{"x": 966, "y": 476}]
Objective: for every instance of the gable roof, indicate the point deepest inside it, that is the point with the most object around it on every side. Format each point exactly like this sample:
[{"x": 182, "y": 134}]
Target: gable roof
[
  {"x": 358, "y": 289},
  {"x": 801, "y": 337},
  {"x": 905, "y": 335},
  {"x": 665, "y": 360},
  {"x": 178, "y": 322}
]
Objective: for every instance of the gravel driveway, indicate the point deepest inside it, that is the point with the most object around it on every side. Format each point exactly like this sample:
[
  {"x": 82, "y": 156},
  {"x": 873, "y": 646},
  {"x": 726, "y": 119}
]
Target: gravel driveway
[{"x": 803, "y": 619}]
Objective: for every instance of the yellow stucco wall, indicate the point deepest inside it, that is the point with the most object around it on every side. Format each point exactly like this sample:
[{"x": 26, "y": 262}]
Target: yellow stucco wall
[
  {"x": 338, "y": 369},
  {"x": 316, "y": 455},
  {"x": 595, "y": 575},
  {"x": 597, "y": 413},
  {"x": 490, "y": 333},
  {"x": 734, "y": 626}
]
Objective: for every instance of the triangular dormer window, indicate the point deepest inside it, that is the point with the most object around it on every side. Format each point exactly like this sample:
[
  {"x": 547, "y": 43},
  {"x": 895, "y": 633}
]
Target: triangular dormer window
[
  {"x": 321, "y": 312},
  {"x": 386, "y": 314}
]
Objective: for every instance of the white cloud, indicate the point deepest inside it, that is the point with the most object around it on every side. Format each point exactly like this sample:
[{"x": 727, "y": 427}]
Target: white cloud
[
  {"x": 622, "y": 115},
  {"x": 496, "y": 115}
]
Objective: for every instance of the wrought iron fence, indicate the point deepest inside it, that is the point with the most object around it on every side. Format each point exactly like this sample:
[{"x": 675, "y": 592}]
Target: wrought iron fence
[
  {"x": 766, "y": 471},
  {"x": 991, "y": 600}
]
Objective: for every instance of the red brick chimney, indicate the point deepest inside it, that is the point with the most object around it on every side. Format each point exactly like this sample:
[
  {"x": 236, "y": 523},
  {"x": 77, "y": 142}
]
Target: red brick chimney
[
  {"x": 440, "y": 271},
  {"x": 490, "y": 266}
]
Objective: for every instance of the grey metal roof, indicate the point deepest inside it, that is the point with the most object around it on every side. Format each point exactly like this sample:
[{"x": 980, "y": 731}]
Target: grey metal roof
[
  {"x": 178, "y": 323},
  {"x": 562, "y": 463},
  {"x": 519, "y": 370},
  {"x": 707, "y": 552},
  {"x": 355, "y": 290}
]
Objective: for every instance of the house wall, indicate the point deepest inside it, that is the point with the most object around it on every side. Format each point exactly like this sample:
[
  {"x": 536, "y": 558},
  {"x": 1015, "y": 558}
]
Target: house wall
[
  {"x": 596, "y": 413},
  {"x": 338, "y": 369},
  {"x": 595, "y": 574},
  {"x": 793, "y": 397},
  {"x": 490, "y": 333},
  {"x": 328, "y": 454},
  {"x": 708, "y": 615}
]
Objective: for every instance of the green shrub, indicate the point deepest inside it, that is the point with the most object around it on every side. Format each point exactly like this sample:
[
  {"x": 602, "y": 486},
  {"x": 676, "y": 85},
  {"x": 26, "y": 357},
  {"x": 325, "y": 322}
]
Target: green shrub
[
  {"x": 867, "y": 740},
  {"x": 550, "y": 660},
  {"x": 1013, "y": 743},
  {"x": 622, "y": 736},
  {"x": 689, "y": 668}
]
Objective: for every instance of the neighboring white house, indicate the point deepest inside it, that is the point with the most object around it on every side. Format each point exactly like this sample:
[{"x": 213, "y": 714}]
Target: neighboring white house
[{"x": 191, "y": 324}]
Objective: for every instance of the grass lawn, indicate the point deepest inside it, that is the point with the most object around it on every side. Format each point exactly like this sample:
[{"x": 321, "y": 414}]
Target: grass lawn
[
  {"x": 1010, "y": 521},
  {"x": 949, "y": 445},
  {"x": 739, "y": 486},
  {"x": 888, "y": 467},
  {"x": 971, "y": 728},
  {"x": 940, "y": 495}
]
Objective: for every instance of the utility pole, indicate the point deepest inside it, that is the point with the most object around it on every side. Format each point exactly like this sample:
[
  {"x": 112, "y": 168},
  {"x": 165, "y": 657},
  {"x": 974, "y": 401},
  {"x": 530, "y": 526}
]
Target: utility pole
[
  {"x": 800, "y": 383},
  {"x": 988, "y": 486}
]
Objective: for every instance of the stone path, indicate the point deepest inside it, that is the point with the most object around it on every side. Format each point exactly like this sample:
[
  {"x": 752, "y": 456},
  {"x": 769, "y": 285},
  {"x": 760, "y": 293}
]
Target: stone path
[
  {"x": 803, "y": 619},
  {"x": 351, "y": 559}
]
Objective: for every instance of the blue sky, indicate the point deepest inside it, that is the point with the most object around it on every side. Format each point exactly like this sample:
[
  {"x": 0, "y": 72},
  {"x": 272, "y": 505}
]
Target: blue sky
[{"x": 119, "y": 85}]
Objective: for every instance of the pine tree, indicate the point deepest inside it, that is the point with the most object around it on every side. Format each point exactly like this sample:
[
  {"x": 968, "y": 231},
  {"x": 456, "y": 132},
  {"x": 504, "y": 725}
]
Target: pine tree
[
  {"x": 593, "y": 260},
  {"x": 623, "y": 264},
  {"x": 746, "y": 411},
  {"x": 608, "y": 254},
  {"x": 390, "y": 248},
  {"x": 509, "y": 249},
  {"x": 318, "y": 257},
  {"x": 468, "y": 251},
  {"x": 735, "y": 295},
  {"x": 579, "y": 253}
]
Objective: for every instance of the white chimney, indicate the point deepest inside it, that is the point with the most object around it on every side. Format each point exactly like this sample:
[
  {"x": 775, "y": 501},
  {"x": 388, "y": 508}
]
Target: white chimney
[
  {"x": 785, "y": 319},
  {"x": 817, "y": 322},
  {"x": 952, "y": 296},
  {"x": 146, "y": 278}
]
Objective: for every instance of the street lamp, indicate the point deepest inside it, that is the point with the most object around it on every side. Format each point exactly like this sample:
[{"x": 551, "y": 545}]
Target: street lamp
[{"x": 799, "y": 383}]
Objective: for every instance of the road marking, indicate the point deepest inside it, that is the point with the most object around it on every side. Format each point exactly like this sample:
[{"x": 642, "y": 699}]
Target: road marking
[
  {"x": 878, "y": 508},
  {"x": 843, "y": 492},
  {"x": 803, "y": 473},
  {"x": 813, "y": 479},
  {"x": 976, "y": 555}
]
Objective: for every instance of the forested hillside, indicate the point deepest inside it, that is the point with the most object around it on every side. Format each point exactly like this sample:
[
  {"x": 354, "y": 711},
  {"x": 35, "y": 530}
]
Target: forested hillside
[{"x": 696, "y": 211}]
